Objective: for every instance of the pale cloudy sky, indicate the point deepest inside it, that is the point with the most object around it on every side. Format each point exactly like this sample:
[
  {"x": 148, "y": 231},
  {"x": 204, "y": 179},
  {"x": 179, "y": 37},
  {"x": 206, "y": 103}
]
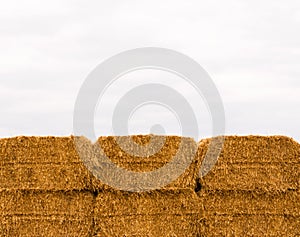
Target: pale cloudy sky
[{"x": 251, "y": 49}]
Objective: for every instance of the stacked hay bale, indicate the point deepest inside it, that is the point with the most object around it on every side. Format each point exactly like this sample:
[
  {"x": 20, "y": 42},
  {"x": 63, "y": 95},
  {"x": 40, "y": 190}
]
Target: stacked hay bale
[
  {"x": 254, "y": 188},
  {"x": 170, "y": 211},
  {"x": 44, "y": 188},
  {"x": 158, "y": 213}
]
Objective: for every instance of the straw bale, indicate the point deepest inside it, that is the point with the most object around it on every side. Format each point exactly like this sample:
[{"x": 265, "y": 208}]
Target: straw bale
[
  {"x": 250, "y": 202},
  {"x": 151, "y": 225},
  {"x": 72, "y": 203},
  {"x": 42, "y": 163},
  {"x": 255, "y": 176},
  {"x": 156, "y": 213},
  {"x": 44, "y": 177},
  {"x": 253, "y": 163},
  {"x": 36, "y": 213},
  {"x": 154, "y": 161},
  {"x": 113, "y": 150},
  {"x": 57, "y": 225},
  {"x": 40, "y": 150},
  {"x": 175, "y": 201},
  {"x": 257, "y": 149},
  {"x": 252, "y": 225}
]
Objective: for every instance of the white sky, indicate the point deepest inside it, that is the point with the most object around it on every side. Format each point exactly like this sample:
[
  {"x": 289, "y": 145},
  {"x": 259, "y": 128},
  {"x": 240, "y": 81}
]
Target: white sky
[{"x": 251, "y": 49}]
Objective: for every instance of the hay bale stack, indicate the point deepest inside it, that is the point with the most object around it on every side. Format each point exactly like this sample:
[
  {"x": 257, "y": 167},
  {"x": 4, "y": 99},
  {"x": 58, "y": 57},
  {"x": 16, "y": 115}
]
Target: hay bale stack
[
  {"x": 170, "y": 211},
  {"x": 254, "y": 188},
  {"x": 44, "y": 188}
]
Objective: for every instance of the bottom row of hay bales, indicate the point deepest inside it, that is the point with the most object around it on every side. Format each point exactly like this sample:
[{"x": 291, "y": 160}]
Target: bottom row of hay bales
[
  {"x": 107, "y": 213},
  {"x": 157, "y": 213}
]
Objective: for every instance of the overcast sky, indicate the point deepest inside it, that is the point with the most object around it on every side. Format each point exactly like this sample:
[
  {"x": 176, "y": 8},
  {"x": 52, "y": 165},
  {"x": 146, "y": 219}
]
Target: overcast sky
[{"x": 251, "y": 49}]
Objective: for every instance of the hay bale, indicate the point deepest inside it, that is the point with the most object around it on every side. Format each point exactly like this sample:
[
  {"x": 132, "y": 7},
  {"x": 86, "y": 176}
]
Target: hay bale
[
  {"x": 35, "y": 213},
  {"x": 258, "y": 149},
  {"x": 236, "y": 202},
  {"x": 41, "y": 150},
  {"x": 42, "y": 163},
  {"x": 44, "y": 177},
  {"x": 255, "y": 163},
  {"x": 79, "y": 204},
  {"x": 156, "y": 213},
  {"x": 154, "y": 161},
  {"x": 47, "y": 226},
  {"x": 147, "y": 225},
  {"x": 252, "y": 225},
  {"x": 253, "y": 189},
  {"x": 254, "y": 176}
]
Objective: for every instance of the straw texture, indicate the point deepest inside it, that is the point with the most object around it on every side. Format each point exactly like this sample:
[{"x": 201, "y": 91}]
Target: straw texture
[
  {"x": 41, "y": 163},
  {"x": 252, "y": 190},
  {"x": 36, "y": 213},
  {"x": 156, "y": 213},
  {"x": 151, "y": 162},
  {"x": 255, "y": 163}
]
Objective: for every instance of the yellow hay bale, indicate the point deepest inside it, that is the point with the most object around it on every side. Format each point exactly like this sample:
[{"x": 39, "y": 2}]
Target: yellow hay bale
[
  {"x": 148, "y": 162},
  {"x": 156, "y": 213},
  {"x": 72, "y": 203},
  {"x": 48, "y": 226},
  {"x": 48, "y": 150},
  {"x": 149, "y": 225},
  {"x": 35, "y": 213},
  {"x": 235, "y": 202},
  {"x": 44, "y": 177},
  {"x": 42, "y": 163},
  {"x": 254, "y": 162},
  {"x": 252, "y": 225},
  {"x": 254, "y": 176},
  {"x": 261, "y": 149}
]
